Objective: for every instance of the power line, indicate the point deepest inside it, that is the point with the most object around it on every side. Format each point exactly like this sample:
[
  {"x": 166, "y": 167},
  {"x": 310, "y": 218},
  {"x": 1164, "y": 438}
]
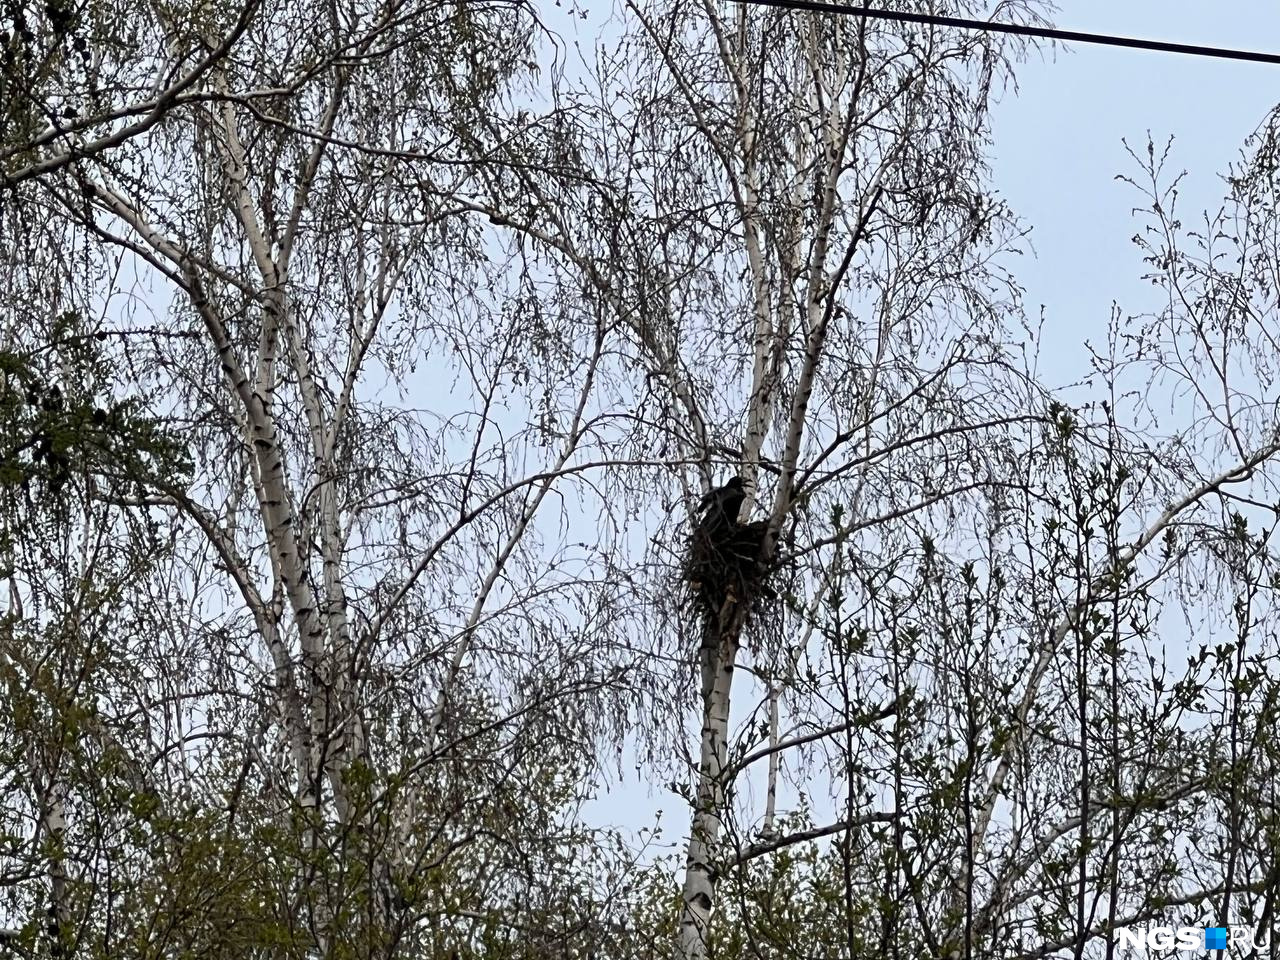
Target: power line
[{"x": 1044, "y": 33}]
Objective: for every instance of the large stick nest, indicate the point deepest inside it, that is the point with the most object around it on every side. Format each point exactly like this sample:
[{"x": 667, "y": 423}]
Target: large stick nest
[{"x": 722, "y": 563}]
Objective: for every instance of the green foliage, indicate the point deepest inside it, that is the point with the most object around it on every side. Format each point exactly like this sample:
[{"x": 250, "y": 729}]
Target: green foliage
[
  {"x": 802, "y": 900},
  {"x": 60, "y": 425}
]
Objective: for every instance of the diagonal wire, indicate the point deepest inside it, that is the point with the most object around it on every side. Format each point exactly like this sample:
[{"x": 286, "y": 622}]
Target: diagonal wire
[{"x": 1045, "y": 33}]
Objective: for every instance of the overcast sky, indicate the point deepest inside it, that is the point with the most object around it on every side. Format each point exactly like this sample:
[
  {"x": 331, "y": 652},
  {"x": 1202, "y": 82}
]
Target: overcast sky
[{"x": 1058, "y": 149}]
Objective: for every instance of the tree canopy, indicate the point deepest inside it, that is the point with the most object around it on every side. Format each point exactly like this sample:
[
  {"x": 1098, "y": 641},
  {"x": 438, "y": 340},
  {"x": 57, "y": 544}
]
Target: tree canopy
[{"x": 363, "y": 368}]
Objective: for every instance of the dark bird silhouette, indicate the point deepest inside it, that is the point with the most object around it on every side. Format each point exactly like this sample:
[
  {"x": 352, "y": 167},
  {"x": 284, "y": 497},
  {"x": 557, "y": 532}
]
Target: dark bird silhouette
[{"x": 721, "y": 506}]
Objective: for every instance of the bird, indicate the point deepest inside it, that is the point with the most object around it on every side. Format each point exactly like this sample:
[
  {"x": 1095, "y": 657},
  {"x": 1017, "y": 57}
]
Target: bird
[{"x": 721, "y": 506}]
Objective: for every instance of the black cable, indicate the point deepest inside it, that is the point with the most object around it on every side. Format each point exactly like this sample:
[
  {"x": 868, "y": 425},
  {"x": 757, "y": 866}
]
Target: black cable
[{"x": 1045, "y": 33}]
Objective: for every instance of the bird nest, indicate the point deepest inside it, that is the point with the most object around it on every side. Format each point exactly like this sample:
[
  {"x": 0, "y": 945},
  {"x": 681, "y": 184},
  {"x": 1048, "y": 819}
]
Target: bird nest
[{"x": 723, "y": 564}]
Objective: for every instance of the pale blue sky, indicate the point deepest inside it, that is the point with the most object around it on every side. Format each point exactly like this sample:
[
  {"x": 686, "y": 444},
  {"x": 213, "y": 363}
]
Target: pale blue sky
[{"x": 1058, "y": 148}]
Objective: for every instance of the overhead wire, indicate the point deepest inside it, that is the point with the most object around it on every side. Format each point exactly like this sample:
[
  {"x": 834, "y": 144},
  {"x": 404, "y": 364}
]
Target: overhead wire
[{"x": 1021, "y": 30}]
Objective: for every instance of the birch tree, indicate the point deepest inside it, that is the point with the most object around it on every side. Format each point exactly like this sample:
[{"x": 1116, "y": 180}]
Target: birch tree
[
  {"x": 361, "y": 704},
  {"x": 800, "y": 242},
  {"x": 790, "y": 216}
]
